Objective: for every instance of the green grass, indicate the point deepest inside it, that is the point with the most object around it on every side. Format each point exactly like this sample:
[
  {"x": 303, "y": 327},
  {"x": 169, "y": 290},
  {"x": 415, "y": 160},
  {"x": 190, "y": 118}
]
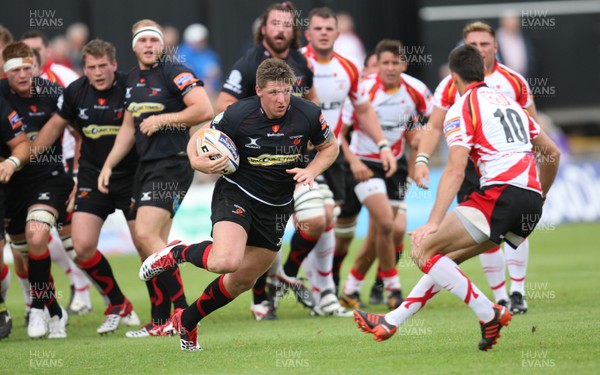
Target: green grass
[{"x": 560, "y": 332}]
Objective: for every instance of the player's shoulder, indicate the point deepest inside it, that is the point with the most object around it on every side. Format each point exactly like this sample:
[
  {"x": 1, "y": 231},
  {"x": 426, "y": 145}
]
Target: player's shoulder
[
  {"x": 4, "y": 87},
  {"x": 309, "y": 109},
  {"x": 121, "y": 77},
  {"x": 243, "y": 107},
  {"x": 445, "y": 84},
  {"x": 505, "y": 70},
  {"x": 77, "y": 84},
  {"x": 414, "y": 82}
]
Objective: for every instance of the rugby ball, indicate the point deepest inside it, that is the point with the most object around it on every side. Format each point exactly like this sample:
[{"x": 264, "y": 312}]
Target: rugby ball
[{"x": 208, "y": 140}]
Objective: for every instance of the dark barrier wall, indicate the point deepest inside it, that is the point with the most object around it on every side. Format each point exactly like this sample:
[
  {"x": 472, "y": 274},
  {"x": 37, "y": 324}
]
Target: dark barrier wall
[
  {"x": 567, "y": 46},
  {"x": 229, "y": 21}
]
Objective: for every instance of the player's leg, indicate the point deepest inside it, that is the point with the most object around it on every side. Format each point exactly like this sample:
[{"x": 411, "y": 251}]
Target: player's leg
[
  {"x": 40, "y": 219},
  {"x": 350, "y": 296},
  {"x": 5, "y": 318},
  {"x": 517, "y": 259},
  {"x": 61, "y": 249},
  {"x": 494, "y": 268}
]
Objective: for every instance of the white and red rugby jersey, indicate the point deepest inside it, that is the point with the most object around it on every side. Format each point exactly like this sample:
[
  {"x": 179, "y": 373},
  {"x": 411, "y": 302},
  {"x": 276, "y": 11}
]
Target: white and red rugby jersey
[
  {"x": 395, "y": 108},
  {"x": 498, "y": 133},
  {"x": 335, "y": 80},
  {"x": 502, "y": 78}
]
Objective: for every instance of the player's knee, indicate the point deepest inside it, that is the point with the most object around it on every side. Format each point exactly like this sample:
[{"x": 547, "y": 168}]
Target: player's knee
[
  {"x": 313, "y": 227},
  {"x": 385, "y": 226},
  {"x": 223, "y": 264},
  {"x": 84, "y": 247}
]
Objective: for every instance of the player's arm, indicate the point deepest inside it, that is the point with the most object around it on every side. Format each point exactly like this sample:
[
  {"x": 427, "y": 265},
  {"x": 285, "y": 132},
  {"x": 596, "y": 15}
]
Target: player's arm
[
  {"x": 49, "y": 134},
  {"x": 413, "y": 137},
  {"x": 360, "y": 171},
  {"x": 549, "y": 160},
  {"x": 124, "y": 141},
  {"x": 429, "y": 139},
  {"x": 198, "y": 109},
  {"x": 450, "y": 182},
  {"x": 369, "y": 122},
  {"x": 224, "y": 100},
  {"x": 19, "y": 155},
  {"x": 326, "y": 155}
]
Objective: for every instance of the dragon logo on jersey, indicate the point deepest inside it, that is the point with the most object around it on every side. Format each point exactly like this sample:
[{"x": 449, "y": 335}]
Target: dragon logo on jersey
[
  {"x": 267, "y": 160},
  {"x": 138, "y": 109}
]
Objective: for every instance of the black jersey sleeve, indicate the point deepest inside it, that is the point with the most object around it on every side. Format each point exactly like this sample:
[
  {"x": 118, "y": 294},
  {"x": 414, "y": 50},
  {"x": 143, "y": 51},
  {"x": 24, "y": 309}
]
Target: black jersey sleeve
[
  {"x": 227, "y": 121},
  {"x": 241, "y": 80},
  {"x": 181, "y": 79},
  {"x": 11, "y": 124},
  {"x": 67, "y": 106},
  {"x": 319, "y": 129}
]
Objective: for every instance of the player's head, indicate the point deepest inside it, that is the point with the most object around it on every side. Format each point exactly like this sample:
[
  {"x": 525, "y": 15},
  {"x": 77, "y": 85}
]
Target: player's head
[
  {"x": 370, "y": 64},
  {"x": 274, "y": 80},
  {"x": 39, "y": 42},
  {"x": 279, "y": 28},
  {"x": 466, "y": 65},
  {"x": 483, "y": 37},
  {"x": 99, "y": 63},
  {"x": 322, "y": 30},
  {"x": 6, "y": 38},
  {"x": 391, "y": 61},
  {"x": 37, "y": 63},
  {"x": 18, "y": 66},
  {"x": 147, "y": 42}
]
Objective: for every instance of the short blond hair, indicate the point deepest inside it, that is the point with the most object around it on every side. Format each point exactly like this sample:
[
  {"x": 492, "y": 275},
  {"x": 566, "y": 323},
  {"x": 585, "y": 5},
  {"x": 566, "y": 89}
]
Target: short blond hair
[
  {"x": 145, "y": 22},
  {"x": 274, "y": 70},
  {"x": 478, "y": 26}
]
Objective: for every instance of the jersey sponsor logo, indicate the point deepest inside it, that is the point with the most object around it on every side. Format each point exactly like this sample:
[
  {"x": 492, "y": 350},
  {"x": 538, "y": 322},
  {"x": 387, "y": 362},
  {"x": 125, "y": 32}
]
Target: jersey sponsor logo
[
  {"x": 45, "y": 196},
  {"x": 184, "y": 79},
  {"x": 322, "y": 121},
  {"x": 96, "y": 131},
  {"x": 330, "y": 105},
  {"x": 138, "y": 109},
  {"x": 146, "y": 196},
  {"x": 101, "y": 104},
  {"x": 452, "y": 126},
  {"x": 253, "y": 143},
  {"x": 267, "y": 160},
  {"x": 128, "y": 92},
  {"x": 60, "y": 101},
  {"x": 141, "y": 83},
  {"x": 275, "y": 128},
  {"x": 234, "y": 82},
  {"x": 82, "y": 115},
  {"x": 15, "y": 120}
]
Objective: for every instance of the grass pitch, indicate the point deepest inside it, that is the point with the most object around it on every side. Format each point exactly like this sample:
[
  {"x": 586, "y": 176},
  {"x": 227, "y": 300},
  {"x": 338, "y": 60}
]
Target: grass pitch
[{"x": 559, "y": 333}]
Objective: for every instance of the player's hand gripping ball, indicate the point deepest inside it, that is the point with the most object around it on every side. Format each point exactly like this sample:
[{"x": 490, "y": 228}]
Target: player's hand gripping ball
[{"x": 208, "y": 140}]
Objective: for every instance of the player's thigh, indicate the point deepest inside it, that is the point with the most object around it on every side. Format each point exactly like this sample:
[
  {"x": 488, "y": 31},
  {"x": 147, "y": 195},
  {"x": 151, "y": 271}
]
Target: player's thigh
[
  {"x": 85, "y": 230},
  {"x": 229, "y": 242},
  {"x": 150, "y": 222}
]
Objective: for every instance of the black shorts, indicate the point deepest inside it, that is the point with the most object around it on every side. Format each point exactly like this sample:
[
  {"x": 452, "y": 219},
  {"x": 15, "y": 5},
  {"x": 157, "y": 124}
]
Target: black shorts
[
  {"x": 264, "y": 223},
  {"x": 508, "y": 209},
  {"x": 90, "y": 200},
  {"x": 395, "y": 185},
  {"x": 162, "y": 183},
  {"x": 470, "y": 184},
  {"x": 334, "y": 178},
  {"x": 52, "y": 191}
]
